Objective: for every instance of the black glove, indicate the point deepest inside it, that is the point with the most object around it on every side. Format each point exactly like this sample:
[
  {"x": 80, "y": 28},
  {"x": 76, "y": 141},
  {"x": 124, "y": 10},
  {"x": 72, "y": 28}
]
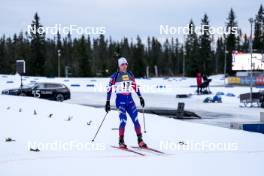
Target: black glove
[
  {"x": 142, "y": 102},
  {"x": 107, "y": 106}
]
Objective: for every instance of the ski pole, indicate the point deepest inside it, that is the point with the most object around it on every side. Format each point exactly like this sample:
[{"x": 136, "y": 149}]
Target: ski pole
[
  {"x": 144, "y": 122},
  {"x": 99, "y": 127}
]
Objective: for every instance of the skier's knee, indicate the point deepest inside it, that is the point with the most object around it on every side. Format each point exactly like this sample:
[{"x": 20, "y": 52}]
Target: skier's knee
[
  {"x": 122, "y": 123},
  {"x": 137, "y": 125}
]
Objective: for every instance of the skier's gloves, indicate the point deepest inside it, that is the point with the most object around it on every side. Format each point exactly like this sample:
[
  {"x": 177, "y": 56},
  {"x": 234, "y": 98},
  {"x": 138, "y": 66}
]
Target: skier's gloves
[
  {"x": 142, "y": 102},
  {"x": 107, "y": 106}
]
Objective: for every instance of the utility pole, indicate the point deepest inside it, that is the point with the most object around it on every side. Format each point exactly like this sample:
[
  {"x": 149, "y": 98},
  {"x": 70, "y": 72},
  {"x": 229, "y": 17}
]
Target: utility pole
[
  {"x": 251, "y": 20},
  {"x": 225, "y": 64},
  {"x": 59, "y": 67},
  {"x": 183, "y": 63}
]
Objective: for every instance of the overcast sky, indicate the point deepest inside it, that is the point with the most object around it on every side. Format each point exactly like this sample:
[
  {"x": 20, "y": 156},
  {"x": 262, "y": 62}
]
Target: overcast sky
[{"x": 123, "y": 18}]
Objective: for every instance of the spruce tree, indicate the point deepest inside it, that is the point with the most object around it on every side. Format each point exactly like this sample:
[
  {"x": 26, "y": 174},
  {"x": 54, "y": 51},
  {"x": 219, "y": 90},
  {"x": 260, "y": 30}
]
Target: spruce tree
[
  {"x": 37, "y": 58},
  {"x": 192, "y": 60},
  {"x": 219, "y": 56},
  {"x": 258, "y": 42},
  {"x": 83, "y": 58},
  {"x": 245, "y": 45},
  {"x": 3, "y": 60},
  {"x": 138, "y": 57},
  {"x": 231, "y": 39},
  {"x": 205, "y": 46}
]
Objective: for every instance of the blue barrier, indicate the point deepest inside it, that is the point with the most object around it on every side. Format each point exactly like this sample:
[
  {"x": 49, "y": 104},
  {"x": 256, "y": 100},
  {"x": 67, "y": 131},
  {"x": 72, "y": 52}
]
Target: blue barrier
[
  {"x": 9, "y": 82},
  {"x": 160, "y": 86},
  {"x": 230, "y": 95},
  {"x": 90, "y": 85},
  {"x": 254, "y": 127},
  {"x": 75, "y": 85}
]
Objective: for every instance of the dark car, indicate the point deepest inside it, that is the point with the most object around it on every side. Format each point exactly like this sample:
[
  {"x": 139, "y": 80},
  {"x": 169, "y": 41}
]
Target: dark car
[{"x": 50, "y": 91}]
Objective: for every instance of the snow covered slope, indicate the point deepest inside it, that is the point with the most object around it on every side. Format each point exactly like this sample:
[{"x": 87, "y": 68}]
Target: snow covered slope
[{"x": 63, "y": 134}]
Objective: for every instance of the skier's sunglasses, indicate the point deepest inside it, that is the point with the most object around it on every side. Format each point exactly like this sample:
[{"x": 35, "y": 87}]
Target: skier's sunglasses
[{"x": 124, "y": 64}]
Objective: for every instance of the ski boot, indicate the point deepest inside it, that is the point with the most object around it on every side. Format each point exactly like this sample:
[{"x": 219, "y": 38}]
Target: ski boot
[
  {"x": 141, "y": 143},
  {"x": 122, "y": 143}
]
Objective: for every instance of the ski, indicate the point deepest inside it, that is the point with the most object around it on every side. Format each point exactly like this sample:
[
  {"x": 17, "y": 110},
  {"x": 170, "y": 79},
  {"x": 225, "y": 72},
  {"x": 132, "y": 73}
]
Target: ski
[
  {"x": 148, "y": 149},
  {"x": 129, "y": 150}
]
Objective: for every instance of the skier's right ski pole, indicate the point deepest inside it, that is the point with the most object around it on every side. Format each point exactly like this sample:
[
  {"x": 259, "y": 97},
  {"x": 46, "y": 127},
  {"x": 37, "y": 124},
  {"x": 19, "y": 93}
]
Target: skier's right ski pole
[
  {"x": 144, "y": 122},
  {"x": 99, "y": 127}
]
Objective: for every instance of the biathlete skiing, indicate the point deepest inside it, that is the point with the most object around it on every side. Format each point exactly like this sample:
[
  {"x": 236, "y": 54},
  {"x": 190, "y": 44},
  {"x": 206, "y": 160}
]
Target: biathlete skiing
[{"x": 123, "y": 82}]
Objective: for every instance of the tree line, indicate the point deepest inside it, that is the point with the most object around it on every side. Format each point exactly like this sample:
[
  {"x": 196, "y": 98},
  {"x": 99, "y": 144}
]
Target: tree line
[{"x": 87, "y": 57}]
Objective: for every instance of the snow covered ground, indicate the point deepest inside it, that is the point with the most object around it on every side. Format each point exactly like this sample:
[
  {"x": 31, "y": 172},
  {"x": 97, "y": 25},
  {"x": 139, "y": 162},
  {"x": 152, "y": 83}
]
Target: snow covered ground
[
  {"x": 158, "y": 92},
  {"x": 63, "y": 133}
]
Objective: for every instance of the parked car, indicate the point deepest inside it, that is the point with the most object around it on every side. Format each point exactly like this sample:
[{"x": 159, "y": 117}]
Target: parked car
[{"x": 50, "y": 91}]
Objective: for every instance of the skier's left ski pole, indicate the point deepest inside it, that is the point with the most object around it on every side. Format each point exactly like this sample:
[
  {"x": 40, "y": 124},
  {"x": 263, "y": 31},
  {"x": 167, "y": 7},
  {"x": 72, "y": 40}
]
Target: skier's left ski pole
[
  {"x": 144, "y": 122},
  {"x": 99, "y": 127}
]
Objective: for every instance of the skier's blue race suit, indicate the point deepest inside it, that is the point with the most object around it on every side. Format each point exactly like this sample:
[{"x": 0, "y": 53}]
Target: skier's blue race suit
[{"x": 124, "y": 83}]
